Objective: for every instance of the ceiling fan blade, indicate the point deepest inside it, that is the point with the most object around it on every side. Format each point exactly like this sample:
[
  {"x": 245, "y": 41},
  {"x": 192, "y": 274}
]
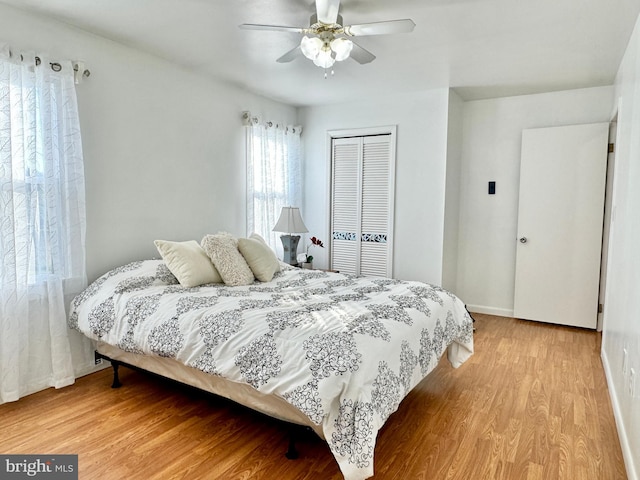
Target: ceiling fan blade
[
  {"x": 380, "y": 28},
  {"x": 361, "y": 55},
  {"x": 327, "y": 11},
  {"x": 273, "y": 28},
  {"x": 290, "y": 55}
]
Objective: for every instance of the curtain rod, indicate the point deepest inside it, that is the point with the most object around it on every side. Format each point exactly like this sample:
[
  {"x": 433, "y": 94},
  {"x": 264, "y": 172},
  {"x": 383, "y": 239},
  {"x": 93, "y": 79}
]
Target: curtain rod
[
  {"x": 248, "y": 120},
  {"x": 78, "y": 67}
]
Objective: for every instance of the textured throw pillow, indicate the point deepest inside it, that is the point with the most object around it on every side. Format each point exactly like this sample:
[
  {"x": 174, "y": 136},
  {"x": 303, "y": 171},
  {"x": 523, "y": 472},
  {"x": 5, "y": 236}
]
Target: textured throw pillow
[
  {"x": 188, "y": 262},
  {"x": 223, "y": 251},
  {"x": 261, "y": 259}
]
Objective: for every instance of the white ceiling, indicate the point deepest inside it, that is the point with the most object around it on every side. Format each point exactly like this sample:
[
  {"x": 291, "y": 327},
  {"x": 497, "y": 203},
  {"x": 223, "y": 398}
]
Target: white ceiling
[{"x": 483, "y": 48}]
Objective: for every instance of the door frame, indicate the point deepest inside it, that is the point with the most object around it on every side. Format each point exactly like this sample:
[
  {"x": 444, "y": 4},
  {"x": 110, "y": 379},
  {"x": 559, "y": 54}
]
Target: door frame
[{"x": 609, "y": 216}]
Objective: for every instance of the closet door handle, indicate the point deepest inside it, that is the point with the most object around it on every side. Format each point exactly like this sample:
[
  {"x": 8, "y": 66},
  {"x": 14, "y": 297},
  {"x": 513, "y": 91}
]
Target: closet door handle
[{"x": 523, "y": 239}]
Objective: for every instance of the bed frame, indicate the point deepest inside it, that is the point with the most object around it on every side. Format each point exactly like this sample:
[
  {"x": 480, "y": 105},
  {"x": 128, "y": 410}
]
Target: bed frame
[{"x": 245, "y": 395}]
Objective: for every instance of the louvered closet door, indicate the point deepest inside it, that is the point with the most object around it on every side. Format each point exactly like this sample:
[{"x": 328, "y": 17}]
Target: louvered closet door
[
  {"x": 361, "y": 205},
  {"x": 374, "y": 229},
  {"x": 345, "y": 192}
]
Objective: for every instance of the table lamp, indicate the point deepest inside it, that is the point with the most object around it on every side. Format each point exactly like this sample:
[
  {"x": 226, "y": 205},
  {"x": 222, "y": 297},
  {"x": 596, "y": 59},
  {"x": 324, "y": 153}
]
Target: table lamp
[{"x": 290, "y": 222}]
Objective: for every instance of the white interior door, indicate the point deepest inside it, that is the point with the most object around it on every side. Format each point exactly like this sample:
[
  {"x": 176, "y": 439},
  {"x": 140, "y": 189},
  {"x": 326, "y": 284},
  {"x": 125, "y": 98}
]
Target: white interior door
[{"x": 560, "y": 215}]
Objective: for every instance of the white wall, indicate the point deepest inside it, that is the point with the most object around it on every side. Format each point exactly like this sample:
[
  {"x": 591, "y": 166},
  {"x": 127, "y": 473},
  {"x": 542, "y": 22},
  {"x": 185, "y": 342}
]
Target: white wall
[
  {"x": 491, "y": 152},
  {"x": 163, "y": 146},
  {"x": 421, "y": 152},
  {"x": 452, "y": 192},
  {"x": 622, "y": 301}
]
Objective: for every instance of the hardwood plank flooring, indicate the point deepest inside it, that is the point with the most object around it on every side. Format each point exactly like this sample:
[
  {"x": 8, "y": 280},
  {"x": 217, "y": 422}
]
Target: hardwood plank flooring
[{"x": 532, "y": 403}]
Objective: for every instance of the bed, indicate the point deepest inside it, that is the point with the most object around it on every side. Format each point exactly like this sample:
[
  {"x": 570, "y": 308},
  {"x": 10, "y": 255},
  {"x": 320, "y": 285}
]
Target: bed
[{"x": 330, "y": 351}]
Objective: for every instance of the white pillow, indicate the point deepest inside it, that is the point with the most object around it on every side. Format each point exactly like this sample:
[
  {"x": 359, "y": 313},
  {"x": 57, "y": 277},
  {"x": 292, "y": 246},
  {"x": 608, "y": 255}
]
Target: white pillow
[
  {"x": 223, "y": 251},
  {"x": 188, "y": 262},
  {"x": 261, "y": 259}
]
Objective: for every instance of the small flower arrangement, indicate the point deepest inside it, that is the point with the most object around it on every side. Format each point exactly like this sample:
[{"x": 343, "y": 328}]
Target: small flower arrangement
[{"x": 314, "y": 242}]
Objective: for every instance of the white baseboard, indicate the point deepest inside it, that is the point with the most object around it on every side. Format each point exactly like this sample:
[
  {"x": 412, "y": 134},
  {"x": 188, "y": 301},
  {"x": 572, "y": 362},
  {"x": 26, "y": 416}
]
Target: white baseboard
[
  {"x": 501, "y": 312},
  {"x": 622, "y": 433},
  {"x": 89, "y": 369}
]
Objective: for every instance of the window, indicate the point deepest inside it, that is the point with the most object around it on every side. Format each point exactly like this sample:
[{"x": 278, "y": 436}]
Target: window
[
  {"x": 41, "y": 171},
  {"x": 273, "y": 175},
  {"x": 24, "y": 179}
]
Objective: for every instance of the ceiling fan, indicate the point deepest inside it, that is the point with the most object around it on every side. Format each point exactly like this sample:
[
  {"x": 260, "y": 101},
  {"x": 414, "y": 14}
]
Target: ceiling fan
[{"x": 326, "y": 40}]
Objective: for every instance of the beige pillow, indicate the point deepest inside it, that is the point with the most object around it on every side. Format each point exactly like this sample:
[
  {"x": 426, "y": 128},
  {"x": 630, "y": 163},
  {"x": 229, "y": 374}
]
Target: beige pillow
[
  {"x": 223, "y": 251},
  {"x": 188, "y": 262},
  {"x": 261, "y": 259}
]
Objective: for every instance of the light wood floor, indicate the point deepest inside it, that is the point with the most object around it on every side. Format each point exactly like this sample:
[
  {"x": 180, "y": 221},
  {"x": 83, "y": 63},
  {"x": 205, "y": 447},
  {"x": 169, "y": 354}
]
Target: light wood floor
[{"x": 530, "y": 404}]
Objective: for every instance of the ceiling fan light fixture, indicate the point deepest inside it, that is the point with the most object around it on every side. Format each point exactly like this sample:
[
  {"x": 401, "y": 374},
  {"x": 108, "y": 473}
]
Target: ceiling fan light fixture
[
  {"x": 342, "y": 48},
  {"x": 311, "y": 47},
  {"x": 326, "y": 39}
]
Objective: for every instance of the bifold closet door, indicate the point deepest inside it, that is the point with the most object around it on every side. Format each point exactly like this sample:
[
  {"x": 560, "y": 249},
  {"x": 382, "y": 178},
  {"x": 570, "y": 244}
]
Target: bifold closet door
[
  {"x": 560, "y": 215},
  {"x": 362, "y": 205},
  {"x": 345, "y": 210}
]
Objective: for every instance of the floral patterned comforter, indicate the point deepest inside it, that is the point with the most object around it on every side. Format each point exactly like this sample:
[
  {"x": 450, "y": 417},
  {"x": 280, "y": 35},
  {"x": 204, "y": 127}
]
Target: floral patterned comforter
[{"x": 344, "y": 350}]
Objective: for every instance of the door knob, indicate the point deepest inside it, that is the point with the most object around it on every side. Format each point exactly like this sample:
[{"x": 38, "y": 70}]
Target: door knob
[{"x": 523, "y": 240}]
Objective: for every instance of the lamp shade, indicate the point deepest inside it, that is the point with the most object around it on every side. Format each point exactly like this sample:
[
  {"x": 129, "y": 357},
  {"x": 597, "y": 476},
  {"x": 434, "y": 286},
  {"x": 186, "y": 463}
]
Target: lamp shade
[
  {"x": 310, "y": 46},
  {"x": 290, "y": 221},
  {"x": 342, "y": 47},
  {"x": 324, "y": 58}
]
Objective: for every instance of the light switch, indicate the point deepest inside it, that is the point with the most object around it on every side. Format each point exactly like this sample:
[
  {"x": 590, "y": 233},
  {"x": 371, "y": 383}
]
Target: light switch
[{"x": 492, "y": 188}]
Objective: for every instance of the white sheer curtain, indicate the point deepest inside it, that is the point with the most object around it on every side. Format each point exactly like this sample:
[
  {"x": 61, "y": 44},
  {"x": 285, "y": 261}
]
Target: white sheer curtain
[
  {"x": 274, "y": 175},
  {"x": 42, "y": 223}
]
